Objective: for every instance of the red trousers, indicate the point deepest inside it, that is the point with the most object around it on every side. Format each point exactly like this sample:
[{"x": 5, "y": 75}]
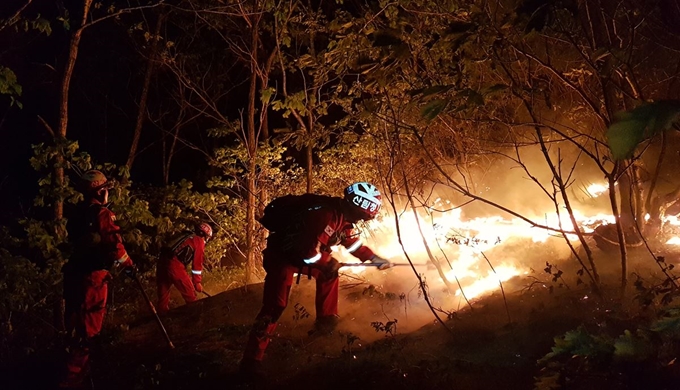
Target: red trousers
[
  {"x": 168, "y": 273},
  {"x": 277, "y": 286},
  {"x": 85, "y": 307}
]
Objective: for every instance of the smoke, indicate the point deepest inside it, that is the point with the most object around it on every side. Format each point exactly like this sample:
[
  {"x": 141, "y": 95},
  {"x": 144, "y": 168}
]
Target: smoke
[
  {"x": 464, "y": 251},
  {"x": 476, "y": 245}
]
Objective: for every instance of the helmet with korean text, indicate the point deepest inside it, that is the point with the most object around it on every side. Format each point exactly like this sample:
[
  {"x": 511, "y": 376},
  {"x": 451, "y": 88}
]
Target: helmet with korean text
[{"x": 364, "y": 200}]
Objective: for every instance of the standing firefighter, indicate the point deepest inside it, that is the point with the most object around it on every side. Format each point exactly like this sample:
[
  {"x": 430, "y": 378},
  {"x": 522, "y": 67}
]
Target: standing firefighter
[
  {"x": 97, "y": 248},
  {"x": 174, "y": 259},
  {"x": 302, "y": 231}
]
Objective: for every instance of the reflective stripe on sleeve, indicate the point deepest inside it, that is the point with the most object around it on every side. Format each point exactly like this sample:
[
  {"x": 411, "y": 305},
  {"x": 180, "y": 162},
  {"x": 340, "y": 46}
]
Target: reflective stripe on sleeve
[
  {"x": 355, "y": 246},
  {"x": 123, "y": 259},
  {"x": 313, "y": 259},
  {"x": 193, "y": 271}
]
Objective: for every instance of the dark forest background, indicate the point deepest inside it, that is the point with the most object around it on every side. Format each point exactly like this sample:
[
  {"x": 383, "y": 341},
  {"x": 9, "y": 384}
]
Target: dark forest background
[{"x": 205, "y": 110}]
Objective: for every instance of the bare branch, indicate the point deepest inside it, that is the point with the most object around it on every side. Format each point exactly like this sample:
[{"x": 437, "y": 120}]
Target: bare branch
[
  {"x": 47, "y": 126},
  {"x": 13, "y": 19}
]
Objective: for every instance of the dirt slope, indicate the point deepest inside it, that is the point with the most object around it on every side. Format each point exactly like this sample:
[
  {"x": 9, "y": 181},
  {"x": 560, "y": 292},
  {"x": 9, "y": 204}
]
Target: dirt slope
[
  {"x": 489, "y": 347},
  {"x": 483, "y": 350}
]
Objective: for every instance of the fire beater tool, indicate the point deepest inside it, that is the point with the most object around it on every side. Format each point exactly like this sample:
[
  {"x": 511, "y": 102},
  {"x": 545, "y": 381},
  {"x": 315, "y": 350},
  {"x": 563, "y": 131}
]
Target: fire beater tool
[
  {"x": 153, "y": 309},
  {"x": 368, "y": 264}
]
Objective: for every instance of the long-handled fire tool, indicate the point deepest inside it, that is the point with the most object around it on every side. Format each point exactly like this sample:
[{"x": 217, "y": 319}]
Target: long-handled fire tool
[
  {"x": 206, "y": 294},
  {"x": 153, "y": 309},
  {"x": 368, "y": 264}
]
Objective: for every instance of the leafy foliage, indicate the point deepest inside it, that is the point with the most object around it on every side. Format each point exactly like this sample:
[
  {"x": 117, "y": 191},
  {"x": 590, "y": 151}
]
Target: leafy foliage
[
  {"x": 581, "y": 352},
  {"x": 579, "y": 342},
  {"x": 10, "y": 86},
  {"x": 644, "y": 122},
  {"x": 389, "y": 328}
]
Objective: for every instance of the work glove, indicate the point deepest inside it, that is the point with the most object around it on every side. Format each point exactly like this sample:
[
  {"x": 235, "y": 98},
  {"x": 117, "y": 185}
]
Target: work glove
[
  {"x": 382, "y": 264},
  {"x": 198, "y": 287}
]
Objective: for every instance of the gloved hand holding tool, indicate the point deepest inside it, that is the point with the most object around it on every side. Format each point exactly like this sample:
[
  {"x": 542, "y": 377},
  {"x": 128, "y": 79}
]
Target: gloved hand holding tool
[
  {"x": 381, "y": 263},
  {"x": 196, "y": 280}
]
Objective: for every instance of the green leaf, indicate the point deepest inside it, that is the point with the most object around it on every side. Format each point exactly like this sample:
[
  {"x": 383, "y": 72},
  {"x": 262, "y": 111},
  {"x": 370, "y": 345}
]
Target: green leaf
[
  {"x": 668, "y": 325},
  {"x": 631, "y": 348},
  {"x": 43, "y": 25},
  {"x": 631, "y": 128},
  {"x": 580, "y": 343},
  {"x": 433, "y": 108},
  {"x": 8, "y": 82},
  {"x": 266, "y": 95},
  {"x": 624, "y": 136}
]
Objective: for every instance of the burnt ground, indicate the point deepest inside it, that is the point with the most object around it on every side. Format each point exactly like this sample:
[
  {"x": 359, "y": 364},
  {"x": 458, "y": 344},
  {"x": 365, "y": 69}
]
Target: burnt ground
[{"x": 494, "y": 345}]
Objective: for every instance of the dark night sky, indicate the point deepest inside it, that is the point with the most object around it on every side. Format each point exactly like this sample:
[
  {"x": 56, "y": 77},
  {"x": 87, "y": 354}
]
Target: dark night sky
[{"x": 102, "y": 112}]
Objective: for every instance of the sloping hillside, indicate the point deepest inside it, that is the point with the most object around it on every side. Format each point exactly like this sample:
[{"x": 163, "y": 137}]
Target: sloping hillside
[{"x": 484, "y": 349}]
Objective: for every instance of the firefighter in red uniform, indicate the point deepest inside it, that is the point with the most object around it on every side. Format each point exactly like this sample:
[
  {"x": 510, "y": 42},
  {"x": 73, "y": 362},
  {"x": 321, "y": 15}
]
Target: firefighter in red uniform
[
  {"x": 172, "y": 264},
  {"x": 97, "y": 248},
  {"x": 305, "y": 249}
]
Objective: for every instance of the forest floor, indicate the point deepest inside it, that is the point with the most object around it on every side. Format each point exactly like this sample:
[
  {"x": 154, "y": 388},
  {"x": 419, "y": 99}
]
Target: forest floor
[{"x": 494, "y": 345}]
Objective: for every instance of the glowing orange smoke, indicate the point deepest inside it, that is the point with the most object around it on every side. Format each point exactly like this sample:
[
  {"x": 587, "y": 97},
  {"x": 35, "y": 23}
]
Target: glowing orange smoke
[{"x": 461, "y": 242}]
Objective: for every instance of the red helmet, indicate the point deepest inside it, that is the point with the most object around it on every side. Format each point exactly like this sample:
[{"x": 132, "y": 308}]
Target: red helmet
[
  {"x": 365, "y": 199},
  {"x": 95, "y": 180},
  {"x": 204, "y": 230}
]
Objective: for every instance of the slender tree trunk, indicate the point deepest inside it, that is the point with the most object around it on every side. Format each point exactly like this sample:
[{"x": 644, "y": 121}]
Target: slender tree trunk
[
  {"x": 252, "y": 151},
  {"x": 619, "y": 229},
  {"x": 60, "y": 136},
  {"x": 310, "y": 123},
  {"x": 169, "y": 155},
  {"x": 141, "y": 112},
  {"x": 309, "y": 152}
]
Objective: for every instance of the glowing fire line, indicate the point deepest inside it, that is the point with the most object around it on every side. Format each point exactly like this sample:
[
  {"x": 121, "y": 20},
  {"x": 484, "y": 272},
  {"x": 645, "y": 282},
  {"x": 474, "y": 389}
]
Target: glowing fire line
[{"x": 463, "y": 241}]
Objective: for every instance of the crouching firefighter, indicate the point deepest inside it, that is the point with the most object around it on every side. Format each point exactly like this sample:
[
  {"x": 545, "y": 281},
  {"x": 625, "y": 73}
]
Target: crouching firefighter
[
  {"x": 173, "y": 261},
  {"x": 97, "y": 247},
  {"x": 302, "y": 230}
]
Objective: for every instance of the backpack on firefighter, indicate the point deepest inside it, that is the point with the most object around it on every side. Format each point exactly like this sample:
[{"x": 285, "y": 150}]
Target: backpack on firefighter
[
  {"x": 177, "y": 247},
  {"x": 87, "y": 252},
  {"x": 287, "y": 212}
]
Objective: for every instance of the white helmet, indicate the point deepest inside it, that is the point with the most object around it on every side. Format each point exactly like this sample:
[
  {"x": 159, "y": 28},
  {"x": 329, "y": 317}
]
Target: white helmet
[{"x": 364, "y": 199}]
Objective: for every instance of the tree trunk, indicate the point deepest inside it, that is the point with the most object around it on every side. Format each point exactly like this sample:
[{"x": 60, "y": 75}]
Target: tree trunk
[
  {"x": 619, "y": 230},
  {"x": 141, "y": 112},
  {"x": 252, "y": 151},
  {"x": 168, "y": 155},
  {"x": 60, "y": 135},
  {"x": 309, "y": 152}
]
